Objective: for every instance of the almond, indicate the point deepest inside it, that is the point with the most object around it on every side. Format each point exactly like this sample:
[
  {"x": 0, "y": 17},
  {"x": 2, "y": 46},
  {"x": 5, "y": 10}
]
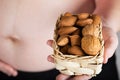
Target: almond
[
  {"x": 96, "y": 19},
  {"x": 75, "y": 40},
  {"x": 64, "y": 49},
  {"x": 84, "y": 22},
  {"x": 83, "y": 15},
  {"x": 77, "y": 32},
  {"x": 67, "y": 14},
  {"x": 67, "y": 20},
  {"x": 66, "y": 30},
  {"x": 75, "y": 50},
  {"x": 62, "y": 40}
]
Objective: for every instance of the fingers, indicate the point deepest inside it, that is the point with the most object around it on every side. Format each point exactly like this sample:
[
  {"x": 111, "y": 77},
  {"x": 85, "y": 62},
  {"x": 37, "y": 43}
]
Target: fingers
[
  {"x": 67, "y": 77},
  {"x": 62, "y": 77},
  {"x": 82, "y": 77},
  {"x": 50, "y": 59},
  {"x": 7, "y": 69},
  {"x": 111, "y": 43},
  {"x": 110, "y": 47},
  {"x": 50, "y": 42}
]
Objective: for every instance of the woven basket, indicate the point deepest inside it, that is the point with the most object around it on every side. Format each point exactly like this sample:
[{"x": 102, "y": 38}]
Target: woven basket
[{"x": 78, "y": 65}]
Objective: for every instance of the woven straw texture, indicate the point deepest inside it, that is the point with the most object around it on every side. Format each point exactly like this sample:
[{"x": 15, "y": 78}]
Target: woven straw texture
[{"x": 78, "y": 65}]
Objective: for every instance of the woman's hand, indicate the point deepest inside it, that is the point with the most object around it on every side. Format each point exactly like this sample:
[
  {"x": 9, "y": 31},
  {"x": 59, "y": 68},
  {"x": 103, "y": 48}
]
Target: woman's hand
[
  {"x": 111, "y": 43},
  {"x": 63, "y": 76},
  {"x": 67, "y": 77},
  {"x": 7, "y": 69}
]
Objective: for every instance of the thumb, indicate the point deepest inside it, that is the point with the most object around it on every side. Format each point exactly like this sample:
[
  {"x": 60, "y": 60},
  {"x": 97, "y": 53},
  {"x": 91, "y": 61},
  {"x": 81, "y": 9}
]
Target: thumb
[{"x": 110, "y": 47}]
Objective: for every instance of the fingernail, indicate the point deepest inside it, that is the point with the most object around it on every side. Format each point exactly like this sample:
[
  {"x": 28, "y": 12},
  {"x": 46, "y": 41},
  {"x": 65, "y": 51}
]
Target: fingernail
[
  {"x": 50, "y": 59},
  {"x": 49, "y": 42},
  {"x": 105, "y": 61},
  {"x": 15, "y": 74}
]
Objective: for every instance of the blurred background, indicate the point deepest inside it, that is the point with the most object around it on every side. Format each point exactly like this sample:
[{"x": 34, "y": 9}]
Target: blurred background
[{"x": 118, "y": 56}]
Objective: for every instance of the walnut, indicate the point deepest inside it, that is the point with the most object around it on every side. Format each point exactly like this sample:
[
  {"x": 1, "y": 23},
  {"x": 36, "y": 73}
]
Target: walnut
[
  {"x": 91, "y": 45},
  {"x": 91, "y": 30}
]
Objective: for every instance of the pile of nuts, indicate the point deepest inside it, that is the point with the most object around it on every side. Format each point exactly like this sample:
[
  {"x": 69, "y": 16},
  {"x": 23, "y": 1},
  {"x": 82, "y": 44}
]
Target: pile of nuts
[{"x": 79, "y": 34}]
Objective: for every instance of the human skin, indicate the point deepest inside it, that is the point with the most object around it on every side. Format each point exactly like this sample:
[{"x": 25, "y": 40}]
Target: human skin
[
  {"x": 109, "y": 11},
  {"x": 25, "y": 25},
  {"x": 111, "y": 24},
  {"x": 111, "y": 42}
]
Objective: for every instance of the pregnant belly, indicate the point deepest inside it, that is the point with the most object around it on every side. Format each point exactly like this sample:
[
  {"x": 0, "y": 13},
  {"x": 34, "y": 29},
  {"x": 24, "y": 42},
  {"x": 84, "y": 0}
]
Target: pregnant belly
[{"x": 26, "y": 55}]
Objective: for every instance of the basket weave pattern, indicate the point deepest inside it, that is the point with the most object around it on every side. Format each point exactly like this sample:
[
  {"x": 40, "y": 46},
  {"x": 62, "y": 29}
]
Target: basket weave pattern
[{"x": 75, "y": 64}]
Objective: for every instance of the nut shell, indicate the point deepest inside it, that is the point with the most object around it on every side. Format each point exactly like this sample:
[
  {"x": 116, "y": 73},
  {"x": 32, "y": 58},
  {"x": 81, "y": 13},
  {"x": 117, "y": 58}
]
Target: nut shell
[
  {"x": 71, "y": 59},
  {"x": 91, "y": 30},
  {"x": 84, "y": 22},
  {"x": 76, "y": 50},
  {"x": 62, "y": 40},
  {"x": 67, "y": 14},
  {"x": 67, "y": 20},
  {"x": 96, "y": 19},
  {"x": 64, "y": 49},
  {"x": 75, "y": 40},
  {"x": 91, "y": 45},
  {"x": 66, "y": 30},
  {"x": 83, "y": 15}
]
